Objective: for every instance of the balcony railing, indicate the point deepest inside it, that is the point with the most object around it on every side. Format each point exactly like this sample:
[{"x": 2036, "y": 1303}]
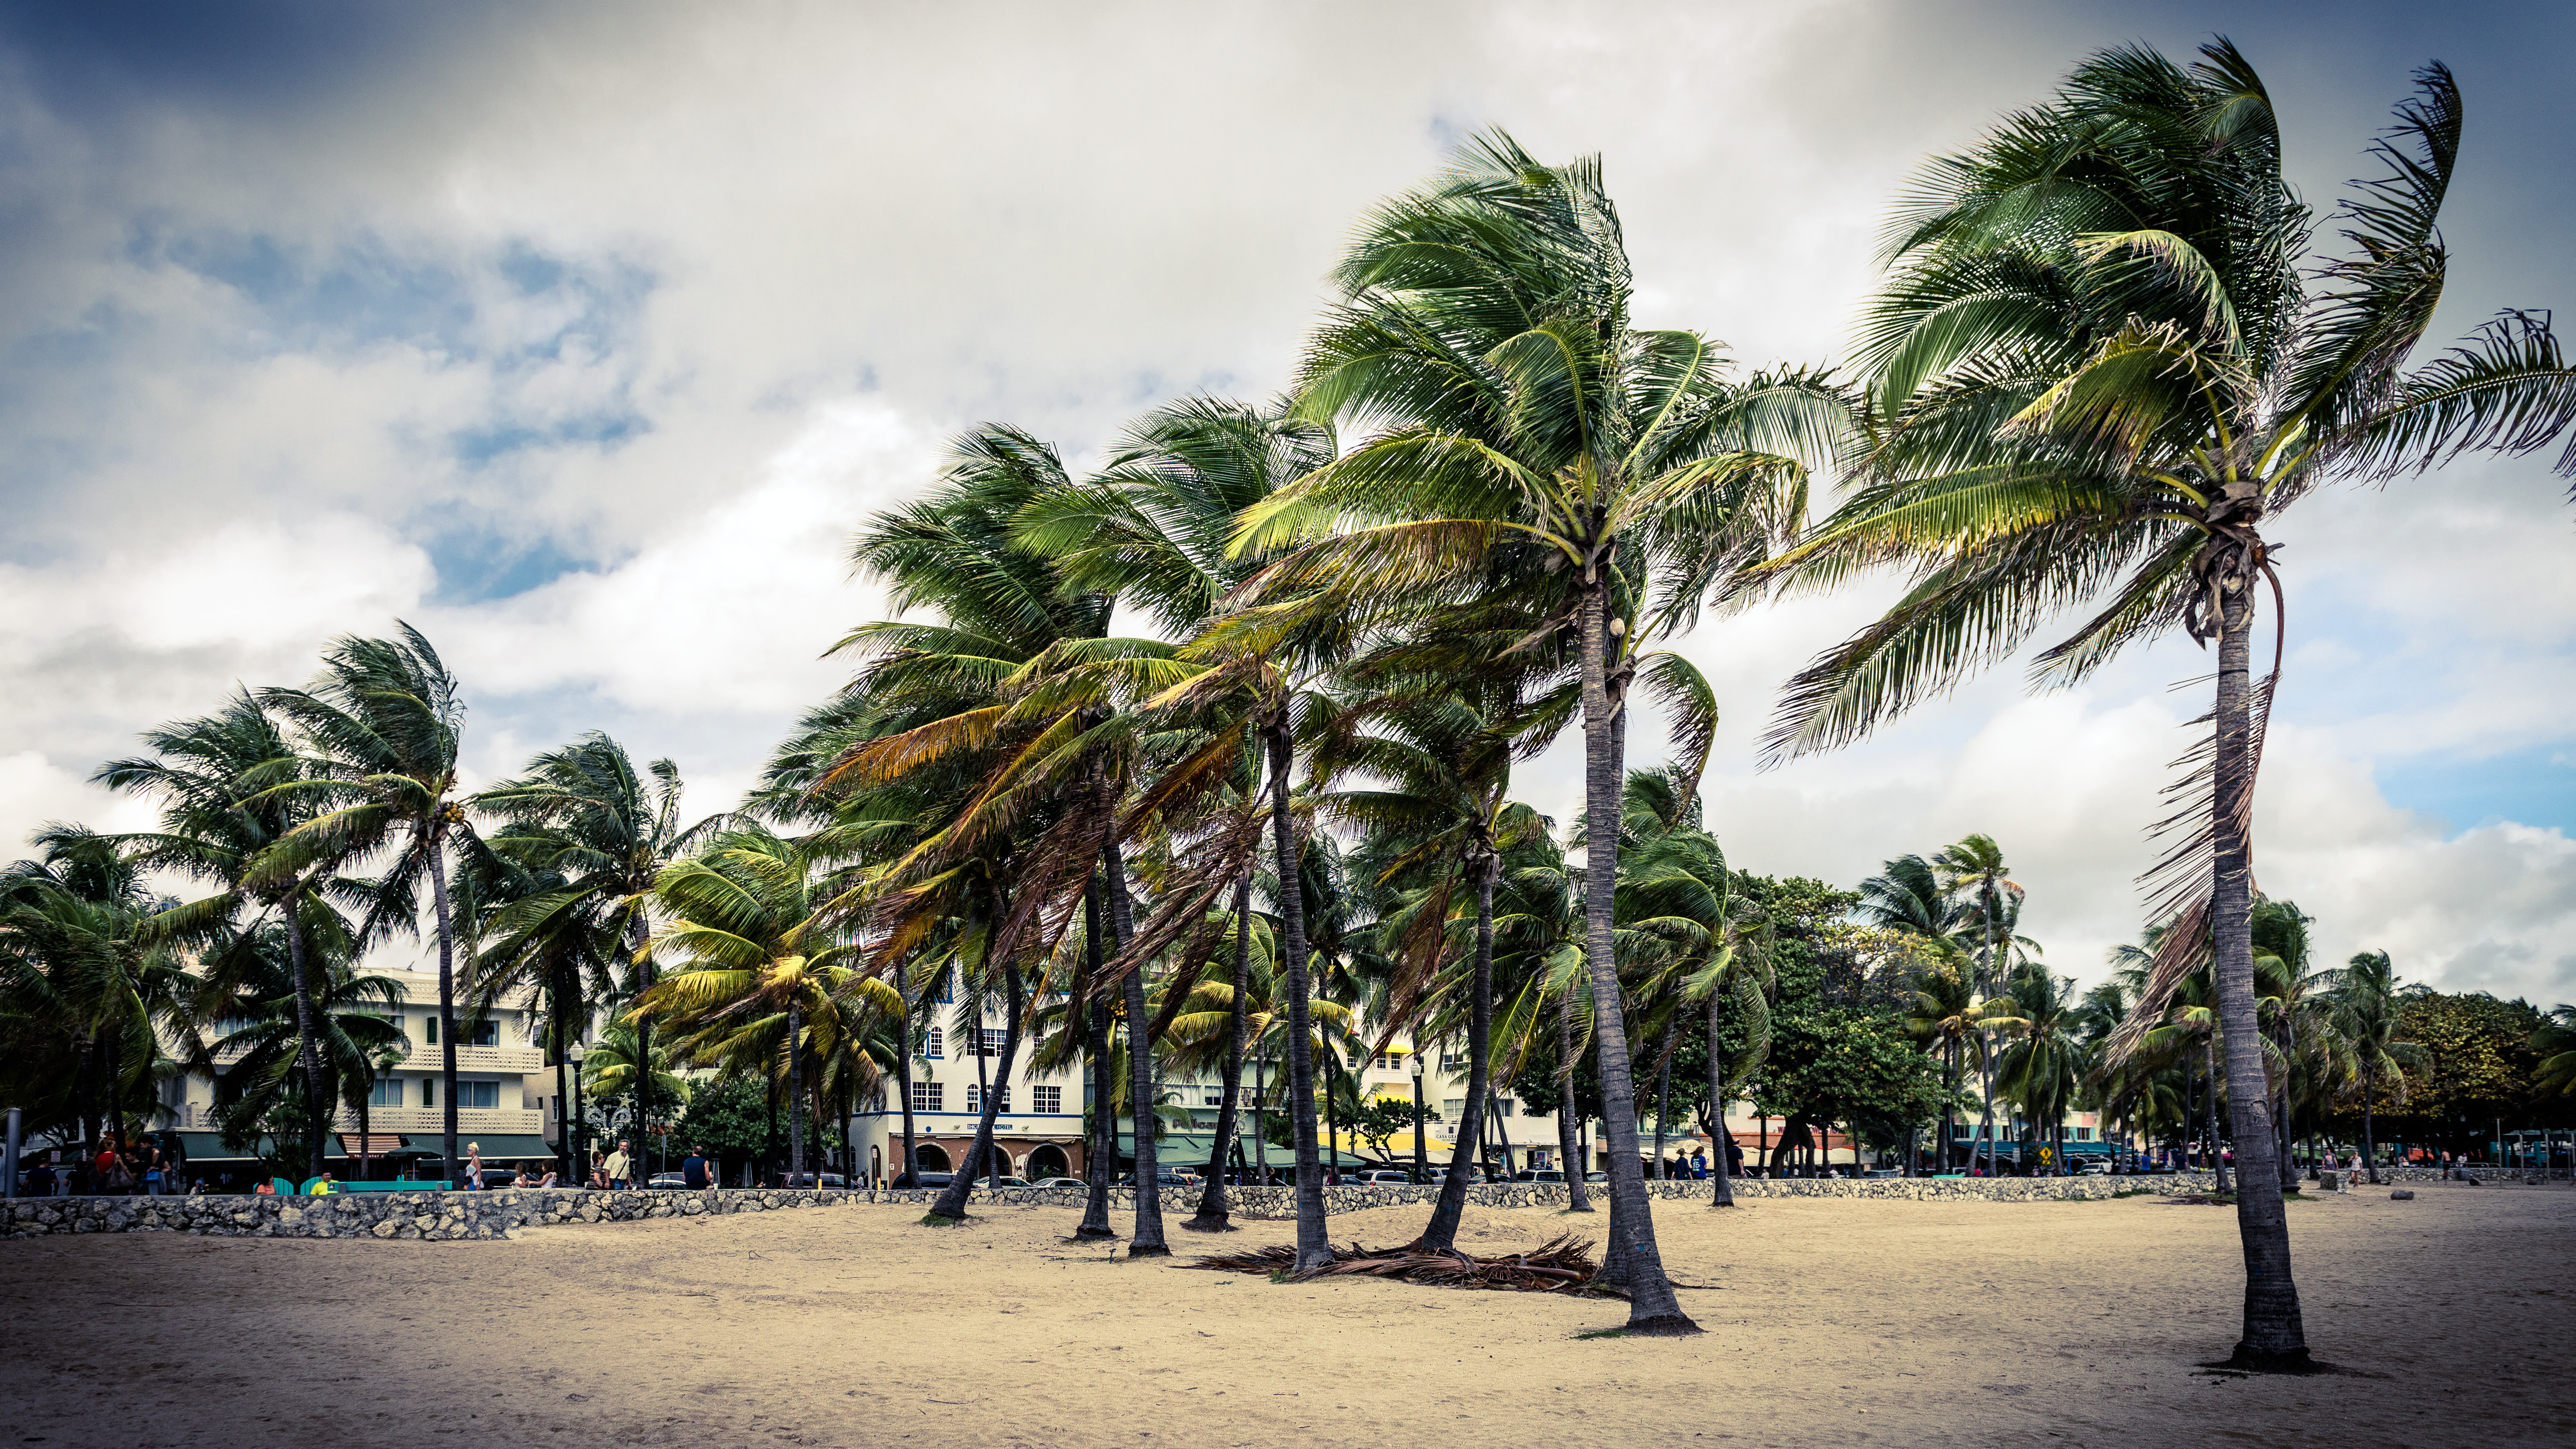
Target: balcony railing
[
  {"x": 416, "y": 1120},
  {"x": 418, "y": 1057}
]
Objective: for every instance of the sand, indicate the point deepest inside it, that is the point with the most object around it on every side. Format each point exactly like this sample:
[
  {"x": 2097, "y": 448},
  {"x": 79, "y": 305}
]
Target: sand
[{"x": 1837, "y": 1321}]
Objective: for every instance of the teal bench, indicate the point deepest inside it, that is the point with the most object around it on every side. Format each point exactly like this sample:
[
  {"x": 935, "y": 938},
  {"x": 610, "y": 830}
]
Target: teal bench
[{"x": 338, "y": 1187}]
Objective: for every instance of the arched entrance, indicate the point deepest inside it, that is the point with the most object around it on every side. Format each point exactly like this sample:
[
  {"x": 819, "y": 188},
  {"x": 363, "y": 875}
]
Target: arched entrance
[
  {"x": 931, "y": 1157},
  {"x": 1048, "y": 1161}
]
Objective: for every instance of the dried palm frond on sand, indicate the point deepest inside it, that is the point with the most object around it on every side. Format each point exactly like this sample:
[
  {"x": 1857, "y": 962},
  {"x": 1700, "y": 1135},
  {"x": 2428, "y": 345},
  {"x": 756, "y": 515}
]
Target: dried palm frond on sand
[{"x": 1560, "y": 1265}]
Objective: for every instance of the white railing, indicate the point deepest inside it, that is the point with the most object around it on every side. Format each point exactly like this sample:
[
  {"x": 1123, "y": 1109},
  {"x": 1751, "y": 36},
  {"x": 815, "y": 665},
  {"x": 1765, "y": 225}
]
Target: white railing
[
  {"x": 417, "y": 1120},
  {"x": 418, "y": 1057}
]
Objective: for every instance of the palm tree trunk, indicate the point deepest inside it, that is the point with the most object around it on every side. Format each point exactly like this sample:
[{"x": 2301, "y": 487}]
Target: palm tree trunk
[
  {"x": 2209, "y": 1103},
  {"x": 1102, "y": 1163},
  {"x": 1260, "y": 1120},
  {"x": 1664, "y": 1096},
  {"x": 1211, "y": 1216},
  {"x": 1569, "y": 1127},
  {"x": 2369, "y": 1147},
  {"x": 1502, "y": 1134},
  {"x": 795, "y": 1094},
  {"x": 1314, "y": 1248},
  {"x": 365, "y": 1159},
  {"x": 308, "y": 1050},
  {"x": 951, "y": 1205},
  {"x": 1442, "y": 1232},
  {"x": 563, "y": 1121},
  {"x": 1147, "y": 1240},
  {"x": 2274, "y": 1334},
  {"x": 447, "y": 1008},
  {"x": 903, "y": 1071},
  {"x": 1722, "y": 1186},
  {"x": 1652, "y": 1308}
]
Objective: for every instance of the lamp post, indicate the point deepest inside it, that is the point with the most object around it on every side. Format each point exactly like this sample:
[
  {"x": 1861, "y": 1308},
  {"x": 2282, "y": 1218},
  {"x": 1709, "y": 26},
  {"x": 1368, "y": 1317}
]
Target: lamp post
[
  {"x": 1420, "y": 1172},
  {"x": 575, "y": 1157}
]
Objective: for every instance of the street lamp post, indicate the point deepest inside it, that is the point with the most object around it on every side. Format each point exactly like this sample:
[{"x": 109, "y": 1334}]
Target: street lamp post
[
  {"x": 1420, "y": 1172},
  {"x": 575, "y": 1157}
]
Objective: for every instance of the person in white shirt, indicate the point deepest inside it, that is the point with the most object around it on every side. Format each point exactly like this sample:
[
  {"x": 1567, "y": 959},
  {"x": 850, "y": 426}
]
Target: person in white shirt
[{"x": 615, "y": 1167}]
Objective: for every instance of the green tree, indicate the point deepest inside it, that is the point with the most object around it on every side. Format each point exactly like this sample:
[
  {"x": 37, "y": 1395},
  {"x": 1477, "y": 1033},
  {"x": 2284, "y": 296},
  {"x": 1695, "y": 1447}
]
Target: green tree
[
  {"x": 1856, "y": 1069},
  {"x": 2097, "y": 372},
  {"x": 2368, "y": 1005}
]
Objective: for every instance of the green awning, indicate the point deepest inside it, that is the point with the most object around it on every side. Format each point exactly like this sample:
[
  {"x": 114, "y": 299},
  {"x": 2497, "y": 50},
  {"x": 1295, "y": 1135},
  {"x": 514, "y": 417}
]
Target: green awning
[
  {"x": 497, "y": 1147},
  {"x": 209, "y": 1147}
]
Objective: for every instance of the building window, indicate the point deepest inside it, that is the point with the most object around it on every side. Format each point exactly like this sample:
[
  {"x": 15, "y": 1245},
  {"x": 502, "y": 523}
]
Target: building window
[
  {"x": 1354, "y": 1059},
  {"x": 1048, "y": 1100},
  {"x": 925, "y": 1096},
  {"x": 2083, "y": 1134},
  {"x": 1505, "y": 1106},
  {"x": 385, "y": 1092},
  {"x": 975, "y": 1098},
  {"x": 991, "y": 1039},
  {"x": 480, "y": 1033},
  {"x": 1453, "y": 1109},
  {"x": 1453, "y": 1061},
  {"x": 429, "y": 1024},
  {"x": 947, "y": 987},
  {"x": 1212, "y": 1096},
  {"x": 429, "y": 1090},
  {"x": 478, "y": 1094},
  {"x": 1390, "y": 1061},
  {"x": 932, "y": 1043}
]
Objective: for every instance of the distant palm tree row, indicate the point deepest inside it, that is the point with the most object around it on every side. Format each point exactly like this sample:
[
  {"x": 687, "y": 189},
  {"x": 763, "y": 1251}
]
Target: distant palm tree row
[{"x": 1205, "y": 754}]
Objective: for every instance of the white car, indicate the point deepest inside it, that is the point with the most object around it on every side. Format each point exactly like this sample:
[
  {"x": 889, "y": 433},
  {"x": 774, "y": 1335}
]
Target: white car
[{"x": 1077, "y": 1184}]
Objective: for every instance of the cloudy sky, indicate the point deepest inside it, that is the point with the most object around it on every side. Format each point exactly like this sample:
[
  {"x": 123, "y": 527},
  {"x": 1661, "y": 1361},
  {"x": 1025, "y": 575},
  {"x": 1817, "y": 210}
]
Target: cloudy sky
[{"x": 583, "y": 336}]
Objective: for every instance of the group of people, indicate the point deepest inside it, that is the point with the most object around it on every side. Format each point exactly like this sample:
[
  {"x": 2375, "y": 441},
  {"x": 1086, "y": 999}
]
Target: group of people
[{"x": 137, "y": 1165}]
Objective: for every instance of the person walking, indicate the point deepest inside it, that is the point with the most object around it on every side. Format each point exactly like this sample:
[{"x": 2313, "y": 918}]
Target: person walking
[
  {"x": 473, "y": 1166},
  {"x": 615, "y": 1167},
  {"x": 693, "y": 1170}
]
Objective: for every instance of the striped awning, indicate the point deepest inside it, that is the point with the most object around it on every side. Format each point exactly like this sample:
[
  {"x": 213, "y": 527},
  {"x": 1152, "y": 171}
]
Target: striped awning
[{"x": 374, "y": 1144}]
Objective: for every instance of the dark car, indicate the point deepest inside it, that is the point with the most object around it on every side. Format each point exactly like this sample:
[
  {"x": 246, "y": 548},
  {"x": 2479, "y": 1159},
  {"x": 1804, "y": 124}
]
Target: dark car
[{"x": 923, "y": 1179}]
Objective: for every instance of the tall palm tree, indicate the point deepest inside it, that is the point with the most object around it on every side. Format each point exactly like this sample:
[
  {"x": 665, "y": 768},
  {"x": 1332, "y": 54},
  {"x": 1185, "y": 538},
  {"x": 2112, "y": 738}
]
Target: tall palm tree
[
  {"x": 2369, "y": 1006},
  {"x": 2098, "y": 372},
  {"x": 381, "y": 727},
  {"x": 566, "y": 885},
  {"x": 1531, "y": 433},
  {"x": 1948, "y": 1016}
]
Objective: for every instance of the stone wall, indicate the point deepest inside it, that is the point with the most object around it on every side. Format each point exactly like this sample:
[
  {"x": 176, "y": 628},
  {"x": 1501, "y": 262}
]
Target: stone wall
[
  {"x": 449, "y": 1216},
  {"x": 435, "y": 1216}
]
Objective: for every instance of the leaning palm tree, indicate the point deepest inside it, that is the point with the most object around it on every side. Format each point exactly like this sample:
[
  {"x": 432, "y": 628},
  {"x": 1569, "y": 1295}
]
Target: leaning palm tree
[
  {"x": 2098, "y": 372},
  {"x": 1533, "y": 438},
  {"x": 252, "y": 1059},
  {"x": 381, "y": 727}
]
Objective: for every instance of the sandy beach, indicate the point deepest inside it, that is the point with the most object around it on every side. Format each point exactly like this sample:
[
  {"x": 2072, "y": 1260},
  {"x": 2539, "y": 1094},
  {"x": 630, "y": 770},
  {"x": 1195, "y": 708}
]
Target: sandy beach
[{"x": 1831, "y": 1320}]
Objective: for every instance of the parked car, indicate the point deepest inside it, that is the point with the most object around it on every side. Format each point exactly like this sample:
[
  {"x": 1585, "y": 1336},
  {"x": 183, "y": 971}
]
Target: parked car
[
  {"x": 2094, "y": 1169},
  {"x": 808, "y": 1179},
  {"x": 1077, "y": 1184},
  {"x": 1161, "y": 1179},
  {"x": 671, "y": 1180},
  {"x": 923, "y": 1179},
  {"x": 1379, "y": 1177},
  {"x": 1596, "y": 1177},
  {"x": 1538, "y": 1174}
]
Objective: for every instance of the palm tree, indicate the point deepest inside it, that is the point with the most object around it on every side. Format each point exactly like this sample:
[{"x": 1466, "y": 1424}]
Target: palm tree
[
  {"x": 2098, "y": 371},
  {"x": 1971, "y": 874},
  {"x": 381, "y": 726},
  {"x": 761, "y": 971},
  {"x": 2368, "y": 1012},
  {"x": 84, "y": 952},
  {"x": 1949, "y": 1017},
  {"x": 2041, "y": 1067},
  {"x": 1531, "y": 435},
  {"x": 1152, "y": 530},
  {"x": 563, "y": 892},
  {"x": 2555, "y": 1041},
  {"x": 219, "y": 818},
  {"x": 253, "y": 1062},
  {"x": 1439, "y": 750}
]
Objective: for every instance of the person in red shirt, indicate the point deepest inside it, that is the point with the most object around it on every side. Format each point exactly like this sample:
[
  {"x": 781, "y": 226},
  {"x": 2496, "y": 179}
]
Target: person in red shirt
[{"x": 102, "y": 1168}]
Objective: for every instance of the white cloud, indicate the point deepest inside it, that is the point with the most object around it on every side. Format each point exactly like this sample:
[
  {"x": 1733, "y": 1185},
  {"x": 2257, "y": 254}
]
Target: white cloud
[{"x": 672, "y": 297}]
